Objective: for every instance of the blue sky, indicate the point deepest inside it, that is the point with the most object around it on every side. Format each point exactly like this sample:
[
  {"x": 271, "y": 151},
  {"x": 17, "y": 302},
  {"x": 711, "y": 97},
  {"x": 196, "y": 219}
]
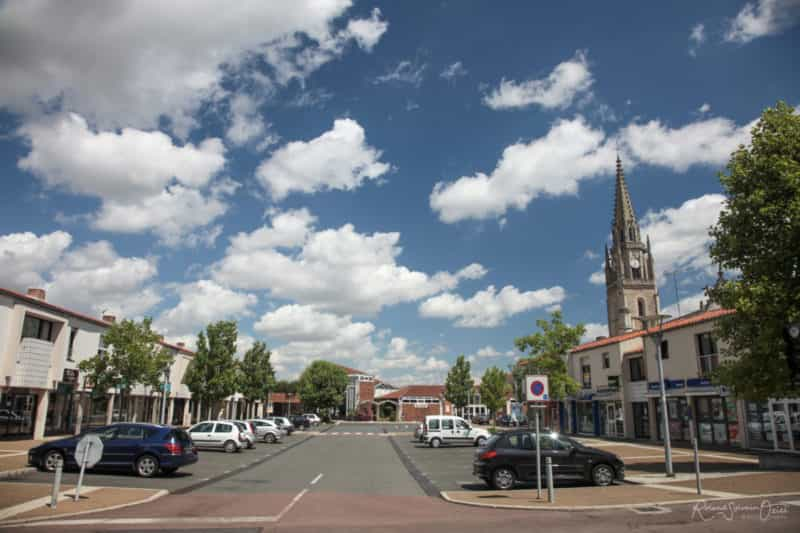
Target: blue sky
[{"x": 387, "y": 185}]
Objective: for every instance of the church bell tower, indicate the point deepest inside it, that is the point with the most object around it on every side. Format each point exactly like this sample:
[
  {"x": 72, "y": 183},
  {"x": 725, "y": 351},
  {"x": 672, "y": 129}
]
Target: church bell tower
[{"x": 630, "y": 276}]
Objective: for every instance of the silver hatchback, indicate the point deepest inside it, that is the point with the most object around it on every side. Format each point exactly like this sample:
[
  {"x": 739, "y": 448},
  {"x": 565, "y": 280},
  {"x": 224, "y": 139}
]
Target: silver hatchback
[{"x": 219, "y": 435}]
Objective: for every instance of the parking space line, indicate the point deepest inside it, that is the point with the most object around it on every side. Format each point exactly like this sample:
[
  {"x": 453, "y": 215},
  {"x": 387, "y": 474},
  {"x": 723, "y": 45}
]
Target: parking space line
[
  {"x": 316, "y": 479},
  {"x": 290, "y": 505}
]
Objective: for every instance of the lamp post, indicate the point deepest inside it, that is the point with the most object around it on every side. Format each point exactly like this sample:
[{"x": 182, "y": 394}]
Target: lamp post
[
  {"x": 165, "y": 396},
  {"x": 659, "y": 334}
]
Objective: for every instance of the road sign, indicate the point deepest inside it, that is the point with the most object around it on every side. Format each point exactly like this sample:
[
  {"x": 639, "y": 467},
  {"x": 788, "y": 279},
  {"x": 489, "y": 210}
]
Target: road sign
[
  {"x": 536, "y": 388},
  {"x": 90, "y": 449}
]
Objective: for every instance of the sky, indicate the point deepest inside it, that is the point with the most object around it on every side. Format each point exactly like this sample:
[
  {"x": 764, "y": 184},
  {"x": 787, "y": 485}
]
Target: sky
[{"x": 386, "y": 185}]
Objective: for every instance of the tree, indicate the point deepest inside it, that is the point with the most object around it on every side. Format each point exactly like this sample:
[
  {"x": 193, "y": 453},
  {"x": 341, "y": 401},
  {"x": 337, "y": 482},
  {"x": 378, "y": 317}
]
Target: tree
[
  {"x": 257, "y": 376},
  {"x": 458, "y": 385},
  {"x": 285, "y": 386},
  {"x": 132, "y": 357},
  {"x": 494, "y": 389},
  {"x": 322, "y": 385},
  {"x": 211, "y": 375},
  {"x": 758, "y": 237},
  {"x": 547, "y": 351}
]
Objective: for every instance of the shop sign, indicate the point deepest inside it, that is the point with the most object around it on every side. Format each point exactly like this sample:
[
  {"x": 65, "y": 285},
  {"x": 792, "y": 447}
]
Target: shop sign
[
  {"x": 698, "y": 382},
  {"x": 70, "y": 376},
  {"x": 669, "y": 384}
]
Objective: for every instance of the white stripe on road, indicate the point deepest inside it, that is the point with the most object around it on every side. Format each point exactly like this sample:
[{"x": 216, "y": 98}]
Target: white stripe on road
[
  {"x": 291, "y": 504},
  {"x": 314, "y": 482}
]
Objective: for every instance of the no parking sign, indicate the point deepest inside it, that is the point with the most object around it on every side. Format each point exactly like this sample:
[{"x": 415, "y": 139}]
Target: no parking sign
[{"x": 536, "y": 388}]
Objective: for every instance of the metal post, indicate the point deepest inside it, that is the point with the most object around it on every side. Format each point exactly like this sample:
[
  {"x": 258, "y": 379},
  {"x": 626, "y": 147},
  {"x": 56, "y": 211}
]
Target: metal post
[
  {"x": 56, "y": 484},
  {"x": 538, "y": 461},
  {"x": 83, "y": 468},
  {"x": 664, "y": 411},
  {"x": 164, "y": 397},
  {"x": 551, "y": 493},
  {"x": 693, "y": 437}
]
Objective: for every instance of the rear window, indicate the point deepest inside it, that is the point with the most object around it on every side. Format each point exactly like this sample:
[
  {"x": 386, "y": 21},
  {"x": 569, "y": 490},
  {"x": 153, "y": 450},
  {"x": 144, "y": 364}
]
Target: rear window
[{"x": 180, "y": 435}]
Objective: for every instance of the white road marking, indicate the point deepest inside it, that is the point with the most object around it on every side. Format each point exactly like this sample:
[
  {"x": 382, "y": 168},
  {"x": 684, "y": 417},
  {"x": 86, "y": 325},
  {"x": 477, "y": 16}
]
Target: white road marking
[
  {"x": 314, "y": 482},
  {"x": 291, "y": 504},
  {"x": 227, "y": 472}
]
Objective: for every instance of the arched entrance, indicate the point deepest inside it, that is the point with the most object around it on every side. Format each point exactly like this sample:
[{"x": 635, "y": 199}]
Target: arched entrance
[{"x": 385, "y": 410}]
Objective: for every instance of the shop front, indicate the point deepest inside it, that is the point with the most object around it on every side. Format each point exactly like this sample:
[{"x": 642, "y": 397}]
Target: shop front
[
  {"x": 774, "y": 425},
  {"x": 585, "y": 417},
  {"x": 17, "y": 413}
]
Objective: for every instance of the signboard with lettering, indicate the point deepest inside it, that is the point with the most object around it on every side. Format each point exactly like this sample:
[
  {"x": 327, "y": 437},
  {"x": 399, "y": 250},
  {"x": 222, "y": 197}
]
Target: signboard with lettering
[
  {"x": 70, "y": 376},
  {"x": 669, "y": 384}
]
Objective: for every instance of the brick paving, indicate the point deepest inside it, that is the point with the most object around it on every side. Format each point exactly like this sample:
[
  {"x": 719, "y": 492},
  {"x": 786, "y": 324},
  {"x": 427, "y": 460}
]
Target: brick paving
[{"x": 763, "y": 483}]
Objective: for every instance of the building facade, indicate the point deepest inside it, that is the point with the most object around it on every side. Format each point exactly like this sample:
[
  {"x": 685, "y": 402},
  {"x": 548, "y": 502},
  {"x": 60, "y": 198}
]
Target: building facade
[{"x": 618, "y": 375}]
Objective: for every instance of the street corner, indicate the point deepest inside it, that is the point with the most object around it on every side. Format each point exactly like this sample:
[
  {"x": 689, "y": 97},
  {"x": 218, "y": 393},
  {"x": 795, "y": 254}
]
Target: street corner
[{"x": 25, "y": 502}]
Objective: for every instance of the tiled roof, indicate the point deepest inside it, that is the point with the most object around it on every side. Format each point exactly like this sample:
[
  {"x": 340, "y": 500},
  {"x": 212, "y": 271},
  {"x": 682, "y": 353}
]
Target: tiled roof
[
  {"x": 680, "y": 322},
  {"x": 352, "y": 371},
  {"x": 415, "y": 390},
  {"x": 64, "y": 311}
]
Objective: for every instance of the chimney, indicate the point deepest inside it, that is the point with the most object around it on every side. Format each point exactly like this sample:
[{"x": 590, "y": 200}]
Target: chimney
[
  {"x": 109, "y": 318},
  {"x": 181, "y": 345},
  {"x": 39, "y": 294}
]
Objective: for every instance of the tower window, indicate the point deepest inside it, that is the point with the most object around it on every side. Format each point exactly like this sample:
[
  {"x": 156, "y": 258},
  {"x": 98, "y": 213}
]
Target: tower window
[
  {"x": 632, "y": 234},
  {"x": 637, "y": 273},
  {"x": 642, "y": 311}
]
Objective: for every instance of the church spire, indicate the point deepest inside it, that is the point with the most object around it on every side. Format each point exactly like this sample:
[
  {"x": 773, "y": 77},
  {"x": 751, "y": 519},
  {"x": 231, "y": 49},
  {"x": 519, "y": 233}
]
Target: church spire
[{"x": 624, "y": 217}]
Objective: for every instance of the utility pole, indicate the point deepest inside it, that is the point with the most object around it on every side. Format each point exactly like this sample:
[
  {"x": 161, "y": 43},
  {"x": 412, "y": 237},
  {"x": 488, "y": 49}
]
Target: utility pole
[{"x": 659, "y": 335}]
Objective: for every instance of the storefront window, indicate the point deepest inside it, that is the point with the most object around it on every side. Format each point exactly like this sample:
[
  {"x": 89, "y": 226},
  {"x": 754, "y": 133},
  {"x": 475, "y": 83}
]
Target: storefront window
[
  {"x": 759, "y": 431},
  {"x": 678, "y": 421},
  {"x": 585, "y": 417},
  {"x": 17, "y": 414},
  {"x": 641, "y": 420}
]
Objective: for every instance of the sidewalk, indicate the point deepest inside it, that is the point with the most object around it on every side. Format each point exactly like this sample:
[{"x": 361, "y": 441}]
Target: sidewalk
[{"x": 23, "y": 501}]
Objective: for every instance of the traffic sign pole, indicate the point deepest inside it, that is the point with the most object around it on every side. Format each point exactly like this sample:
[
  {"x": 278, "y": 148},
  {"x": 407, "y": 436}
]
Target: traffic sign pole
[
  {"x": 538, "y": 461},
  {"x": 84, "y": 460}
]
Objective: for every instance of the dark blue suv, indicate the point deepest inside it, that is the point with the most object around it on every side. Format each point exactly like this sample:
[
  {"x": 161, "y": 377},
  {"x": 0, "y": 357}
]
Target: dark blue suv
[{"x": 146, "y": 448}]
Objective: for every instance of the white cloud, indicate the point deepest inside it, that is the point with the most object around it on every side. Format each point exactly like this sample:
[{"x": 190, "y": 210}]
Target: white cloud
[
  {"x": 679, "y": 235},
  {"x": 201, "y": 303},
  {"x": 488, "y": 308},
  {"x": 705, "y": 108},
  {"x": 94, "y": 279},
  {"x": 594, "y": 330},
  {"x": 144, "y": 181},
  {"x": 688, "y": 304},
  {"x": 246, "y": 123},
  {"x": 591, "y": 254},
  {"x": 405, "y": 71},
  {"x": 705, "y": 142},
  {"x": 338, "y": 159},
  {"x": 696, "y": 38},
  {"x": 132, "y": 62},
  {"x": 24, "y": 257},
  {"x": 490, "y": 352},
  {"x": 399, "y": 355},
  {"x": 551, "y": 165},
  {"x": 453, "y": 71},
  {"x": 766, "y": 17},
  {"x": 557, "y": 91},
  {"x": 334, "y": 269},
  {"x": 598, "y": 277},
  {"x": 310, "y": 98}
]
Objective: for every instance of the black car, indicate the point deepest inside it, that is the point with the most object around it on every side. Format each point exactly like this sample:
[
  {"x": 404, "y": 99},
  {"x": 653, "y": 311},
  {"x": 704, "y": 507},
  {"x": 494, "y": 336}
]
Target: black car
[
  {"x": 511, "y": 456},
  {"x": 147, "y": 449},
  {"x": 300, "y": 421}
]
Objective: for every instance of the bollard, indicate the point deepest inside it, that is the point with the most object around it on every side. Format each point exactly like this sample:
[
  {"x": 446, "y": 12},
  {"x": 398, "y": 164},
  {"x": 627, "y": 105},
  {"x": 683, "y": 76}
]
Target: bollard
[
  {"x": 56, "y": 484},
  {"x": 551, "y": 493},
  {"x": 697, "y": 466}
]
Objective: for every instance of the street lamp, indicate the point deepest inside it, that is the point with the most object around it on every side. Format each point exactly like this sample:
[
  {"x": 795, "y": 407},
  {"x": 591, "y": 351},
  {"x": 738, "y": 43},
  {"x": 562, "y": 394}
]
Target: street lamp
[{"x": 664, "y": 413}]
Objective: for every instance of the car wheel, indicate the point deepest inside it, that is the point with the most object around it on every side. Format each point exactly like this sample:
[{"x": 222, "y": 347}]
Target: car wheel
[
  {"x": 503, "y": 478},
  {"x": 602, "y": 475},
  {"x": 147, "y": 466},
  {"x": 269, "y": 438},
  {"x": 230, "y": 446},
  {"x": 51, "y": 460},
  {"x": 250, "y": 445},
  {"x": 435, "y": 443},
  {"x": 481, "y": 442}
]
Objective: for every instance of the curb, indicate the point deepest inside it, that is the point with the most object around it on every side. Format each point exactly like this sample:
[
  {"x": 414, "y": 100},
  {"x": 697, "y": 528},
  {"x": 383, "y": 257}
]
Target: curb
[
  {"x": 43, "y": 520},
  {"x": 448, "y": 499},
  {"x": 18, "y": 473}
]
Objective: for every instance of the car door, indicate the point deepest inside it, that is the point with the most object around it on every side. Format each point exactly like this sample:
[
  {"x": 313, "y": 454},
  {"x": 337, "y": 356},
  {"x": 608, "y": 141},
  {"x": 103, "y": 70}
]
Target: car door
[
  {"x": 570, "y": 465},
  {"x": 559, "y": 454},
  {"x": 221, "y": 434},
  {"x": 108, "y": 436},
  {"x": 126, "y": 444},
  {"x": 201, "y": 434},
  {"x": 462, "y": 431},
  {"x": 448, "y": 429}
]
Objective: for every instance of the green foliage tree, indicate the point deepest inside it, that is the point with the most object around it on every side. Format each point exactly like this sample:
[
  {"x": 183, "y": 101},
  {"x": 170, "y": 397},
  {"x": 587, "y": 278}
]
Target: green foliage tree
[
  {"x": 322, "y": 385},
  {"x": 546, "y": 354},
  {"x": 256, "y": 376},
  {"x": 459, "y": 383},
  {"x": 494, "y": 389},
  {"x": 211, "y": 376},
  {"x": 758, "y": 237},
  {"x": 284, "y": 385},
  {"x": 133, "y": 356}
]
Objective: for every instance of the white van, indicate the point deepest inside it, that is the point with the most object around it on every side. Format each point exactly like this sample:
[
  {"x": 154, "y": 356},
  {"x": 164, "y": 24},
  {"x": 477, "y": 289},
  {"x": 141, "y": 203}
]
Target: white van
[{"x": 441, "y": 429}]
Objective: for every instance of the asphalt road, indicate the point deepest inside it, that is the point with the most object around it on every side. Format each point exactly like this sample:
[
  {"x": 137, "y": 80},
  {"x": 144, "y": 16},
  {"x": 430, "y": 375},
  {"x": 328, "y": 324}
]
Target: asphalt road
[{"x": 338, "y": 482}]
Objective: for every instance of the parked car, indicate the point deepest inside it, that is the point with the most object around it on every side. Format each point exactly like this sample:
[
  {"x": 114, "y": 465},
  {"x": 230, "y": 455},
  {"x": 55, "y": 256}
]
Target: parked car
[
  {"x": 446, "y": 429},
  {"x": 480, "y": 420},
  {"x": 266, "y": 430},
  {"x": 314, "y": 419},
  {"x": 300, "y": 421},
  {"x": 510, "y": 457},
  {"x": 218, "y": 434},
  {"x": 282, "y": 422},
  {"x": 146, "y": 448},
  {"x": 247, "y": 430}
]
